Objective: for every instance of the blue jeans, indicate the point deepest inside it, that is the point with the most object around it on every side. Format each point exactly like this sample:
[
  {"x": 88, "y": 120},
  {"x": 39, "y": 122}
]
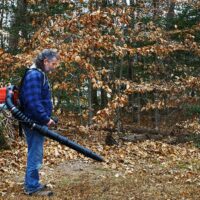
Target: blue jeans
[{"x": 35, "y": 143}]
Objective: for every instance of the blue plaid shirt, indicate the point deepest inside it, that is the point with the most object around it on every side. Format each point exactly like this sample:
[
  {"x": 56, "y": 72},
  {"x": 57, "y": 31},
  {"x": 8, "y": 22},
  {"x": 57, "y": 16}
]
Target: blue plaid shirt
[{"x": 35, "y": 96}]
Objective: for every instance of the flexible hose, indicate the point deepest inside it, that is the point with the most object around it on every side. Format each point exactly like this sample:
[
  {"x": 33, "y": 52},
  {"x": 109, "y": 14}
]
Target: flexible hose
[{"x": 44, "y": 130}]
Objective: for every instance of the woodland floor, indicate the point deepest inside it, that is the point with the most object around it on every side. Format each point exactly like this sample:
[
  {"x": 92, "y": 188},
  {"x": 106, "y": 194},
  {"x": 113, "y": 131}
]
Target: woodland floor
[{"x": 144, "y": 170}]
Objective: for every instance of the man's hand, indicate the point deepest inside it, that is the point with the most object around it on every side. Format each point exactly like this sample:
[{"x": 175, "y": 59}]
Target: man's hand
[
  {"x": 55, "y": 119},
  {"x": 51, "y": 123}
]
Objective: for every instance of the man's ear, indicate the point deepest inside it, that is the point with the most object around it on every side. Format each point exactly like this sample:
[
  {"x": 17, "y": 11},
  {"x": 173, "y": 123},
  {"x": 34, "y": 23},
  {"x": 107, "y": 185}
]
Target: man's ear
[{"x": 45, "y": 61}]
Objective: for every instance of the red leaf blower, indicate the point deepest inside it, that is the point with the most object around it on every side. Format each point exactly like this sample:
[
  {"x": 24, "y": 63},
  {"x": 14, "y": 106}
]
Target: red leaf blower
[
  {"x": 9, "y": 97},
  {"x": 3, "y": 96}
]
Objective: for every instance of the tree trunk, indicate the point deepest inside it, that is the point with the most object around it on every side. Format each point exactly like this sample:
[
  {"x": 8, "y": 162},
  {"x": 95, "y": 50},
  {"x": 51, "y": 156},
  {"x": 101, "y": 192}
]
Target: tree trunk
[
  {"x": 1, "y": 14},
  {"x": 94, "y": 98},
  {"x": 104, "y": 99},
  {"x": 130, "y": 68},
  {"x": 155, "y": 8},
  {"x": 170, "y": 14},
  {"x": 90, "y": 114},
  {"x": 1, "y": 23},
  {"x": 18, "y": 24},
  {"x": 157, "y": 116}
]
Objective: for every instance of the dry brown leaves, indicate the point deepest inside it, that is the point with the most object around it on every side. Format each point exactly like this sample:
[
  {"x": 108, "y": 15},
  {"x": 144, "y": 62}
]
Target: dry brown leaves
[{"x": 182, "y": 161}]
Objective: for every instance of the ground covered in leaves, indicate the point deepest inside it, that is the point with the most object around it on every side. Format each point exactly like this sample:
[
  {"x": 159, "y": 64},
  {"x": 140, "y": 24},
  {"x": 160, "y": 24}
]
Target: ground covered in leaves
[{"x": 145, "y": 170}]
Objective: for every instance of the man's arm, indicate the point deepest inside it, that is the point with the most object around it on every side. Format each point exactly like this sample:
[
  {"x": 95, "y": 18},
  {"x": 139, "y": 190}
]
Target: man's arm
[{"x": 33, "y": 97}]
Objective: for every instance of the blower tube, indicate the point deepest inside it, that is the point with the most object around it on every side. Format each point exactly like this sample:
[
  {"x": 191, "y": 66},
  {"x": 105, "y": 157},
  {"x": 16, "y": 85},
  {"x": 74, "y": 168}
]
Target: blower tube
[{"x": 44, "y": 130}]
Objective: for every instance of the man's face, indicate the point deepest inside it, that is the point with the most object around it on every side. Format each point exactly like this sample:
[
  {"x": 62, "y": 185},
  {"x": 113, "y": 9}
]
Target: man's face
[{"x": 50, "y": 65}]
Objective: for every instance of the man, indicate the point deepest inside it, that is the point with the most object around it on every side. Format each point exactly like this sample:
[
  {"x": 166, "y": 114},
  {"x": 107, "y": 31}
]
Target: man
[{"x": 35, "y": 99}]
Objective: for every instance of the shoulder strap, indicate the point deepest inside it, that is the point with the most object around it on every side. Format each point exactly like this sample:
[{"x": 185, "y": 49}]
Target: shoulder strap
[
  {"x": 22, "y": 80},
  {"x": 25, "y": 73},
  {"x": 39, "y": 70},
  {"x": 33, "y": 67}
]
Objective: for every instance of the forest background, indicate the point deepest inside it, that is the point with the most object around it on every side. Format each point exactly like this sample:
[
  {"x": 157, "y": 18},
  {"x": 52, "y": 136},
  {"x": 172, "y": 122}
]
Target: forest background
[
  {"x": 129, "y": 70},
  {"x": 122, "y": 62}
]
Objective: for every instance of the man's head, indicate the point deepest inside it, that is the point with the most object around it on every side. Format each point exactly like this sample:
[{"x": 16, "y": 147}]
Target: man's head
[{"x": 47, "y": 60}]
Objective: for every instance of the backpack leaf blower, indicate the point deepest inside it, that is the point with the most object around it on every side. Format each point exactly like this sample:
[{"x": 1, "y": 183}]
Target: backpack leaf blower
[{"x": 9, "y": 96}]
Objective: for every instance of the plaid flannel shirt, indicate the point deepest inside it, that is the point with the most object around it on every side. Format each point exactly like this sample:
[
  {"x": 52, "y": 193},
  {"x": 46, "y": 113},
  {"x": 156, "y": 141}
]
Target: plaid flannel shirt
[{"x": 35, "y": 96}]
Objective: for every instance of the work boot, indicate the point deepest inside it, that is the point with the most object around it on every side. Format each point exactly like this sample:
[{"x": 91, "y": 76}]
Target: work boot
[
  {"x": 44, "y": 191},
  {"x": 47, "y": 193}
]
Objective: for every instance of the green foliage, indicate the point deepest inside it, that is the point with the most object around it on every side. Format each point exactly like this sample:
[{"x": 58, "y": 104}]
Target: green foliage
[
  {"x": 186, "y": 17},
  {"x": 195, "y": 138},
  {"x": 58, "y": 8},
  {"x": 191, "y": 109}
]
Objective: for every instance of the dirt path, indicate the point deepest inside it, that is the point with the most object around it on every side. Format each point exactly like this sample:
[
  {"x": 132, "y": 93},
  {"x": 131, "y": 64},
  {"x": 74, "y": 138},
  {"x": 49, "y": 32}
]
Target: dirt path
[{"x": 92, "y": 181}]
